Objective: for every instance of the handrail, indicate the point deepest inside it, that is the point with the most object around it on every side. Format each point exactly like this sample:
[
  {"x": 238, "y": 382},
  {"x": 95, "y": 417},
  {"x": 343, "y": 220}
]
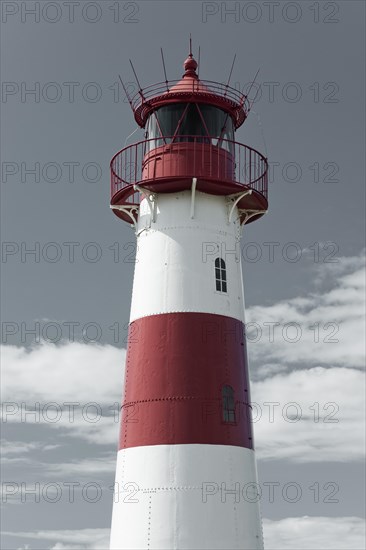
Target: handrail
[
  {"x": 186, "y": 157},
  {"x": 216, "y": 88}
]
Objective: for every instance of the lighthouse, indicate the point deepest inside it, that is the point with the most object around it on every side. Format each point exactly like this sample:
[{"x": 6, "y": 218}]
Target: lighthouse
[{"x": 186, "y": 472}]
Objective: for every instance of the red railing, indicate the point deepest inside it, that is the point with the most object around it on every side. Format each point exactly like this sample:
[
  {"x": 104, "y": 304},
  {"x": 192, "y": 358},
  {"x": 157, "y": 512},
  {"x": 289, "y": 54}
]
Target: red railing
[
  {"x": 188, "y": 157},
  {"x": 192, "y": 85}
]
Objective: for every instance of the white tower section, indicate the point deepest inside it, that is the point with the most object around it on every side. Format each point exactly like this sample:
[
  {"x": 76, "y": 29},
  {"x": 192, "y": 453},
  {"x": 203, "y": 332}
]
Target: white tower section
[
  {"x": 186, "y": 495},
  {"x": 175, "y": 260}
]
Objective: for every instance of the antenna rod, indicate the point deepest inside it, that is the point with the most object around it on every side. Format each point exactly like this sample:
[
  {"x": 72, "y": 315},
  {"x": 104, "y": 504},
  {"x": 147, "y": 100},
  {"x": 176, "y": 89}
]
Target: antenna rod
[
  {"x": 250, "y": 89},
  {"x": 166, "y": 78},
  {"x": 252, "y": 103},
  {"x": 126, "y": 92},
  {"x": 231, "y": 71},
  {"x": 137, "y": 80},
  {"x": 190, "y": 45}
]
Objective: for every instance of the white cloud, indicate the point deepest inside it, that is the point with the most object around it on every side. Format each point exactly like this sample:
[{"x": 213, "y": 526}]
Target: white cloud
[
  {"x": 345, "y": 264},
  {"x": 328, "y": 324},
  {"x": 315, "y": 533},
  {"x": 85, "y": 467},
  {"x": 329, "y": 404},
  {"x": 81, "y": 539},
  {"x": 61, "y": 546},
  {"x": 72, "y": 372},
  {"x": 22, "y": 447},
  {"x": 47, "y": 378},
  {"x": 103, "y": 430},
  {"x": 100, "y": 465},
  {"x": 326, "y": 379},
  {"x": 296, "y": 533}
]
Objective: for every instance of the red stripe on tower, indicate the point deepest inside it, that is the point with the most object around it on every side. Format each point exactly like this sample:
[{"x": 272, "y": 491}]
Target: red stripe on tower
[{"x": 180, "y": 368}]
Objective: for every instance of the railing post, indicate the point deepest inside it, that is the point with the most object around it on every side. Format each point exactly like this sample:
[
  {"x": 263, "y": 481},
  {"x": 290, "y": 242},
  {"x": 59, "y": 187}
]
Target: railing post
[
  {"x": 237, "y": 152},
  {"x": 194, "y": 157},
  {"x": 135, "y": 165},
  {"x": 250, "y": 167}
]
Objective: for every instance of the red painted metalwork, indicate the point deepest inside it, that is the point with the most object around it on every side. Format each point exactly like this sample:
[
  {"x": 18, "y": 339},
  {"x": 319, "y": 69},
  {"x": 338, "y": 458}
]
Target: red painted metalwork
[
  {"x": 176, "y": 367},
  {"x": 227, "y": 169},
  {"x": 190, "y": 89},
  {"x": 178, "y": 159},
  {"x": 167, "y": 165}
]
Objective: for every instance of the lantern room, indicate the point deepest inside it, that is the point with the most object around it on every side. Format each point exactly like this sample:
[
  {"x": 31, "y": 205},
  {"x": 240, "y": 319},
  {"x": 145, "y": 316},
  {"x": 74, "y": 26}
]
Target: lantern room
[
  {"x": 188, "y": 120},
  {"x": 189, "y": 141}
]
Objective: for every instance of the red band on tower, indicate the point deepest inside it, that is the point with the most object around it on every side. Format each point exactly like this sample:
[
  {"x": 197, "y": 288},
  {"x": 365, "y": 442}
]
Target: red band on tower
[{"x": 177, "y": 368}]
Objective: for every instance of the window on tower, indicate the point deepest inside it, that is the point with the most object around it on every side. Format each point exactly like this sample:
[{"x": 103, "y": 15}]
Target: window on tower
[
  {"x": 220, "y": 275},
  {"x": 228, "y": 404},
  {"x": 192, "y": 123},
  {"x": 197, "y": 122}
]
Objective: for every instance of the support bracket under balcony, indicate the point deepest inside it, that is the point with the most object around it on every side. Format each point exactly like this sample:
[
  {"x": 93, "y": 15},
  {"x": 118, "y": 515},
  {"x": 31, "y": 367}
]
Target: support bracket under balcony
[
  {"x": 250, "y": 213},
  {"x": 131, "y": 212},
  {"x": 193, "y": 196},
  {"x": 238, "y": 198},
  {"x": 150, "y": 198}
]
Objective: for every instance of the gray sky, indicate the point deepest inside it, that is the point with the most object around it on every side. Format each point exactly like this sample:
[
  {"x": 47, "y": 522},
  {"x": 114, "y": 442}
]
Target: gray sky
[{"x": 309, "y": 119}]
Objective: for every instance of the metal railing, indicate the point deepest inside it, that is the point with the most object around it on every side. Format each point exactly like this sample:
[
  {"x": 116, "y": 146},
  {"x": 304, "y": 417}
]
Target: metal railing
[
  {"x": 191, "y": 86},
  {"x": 191, "y": 156}
]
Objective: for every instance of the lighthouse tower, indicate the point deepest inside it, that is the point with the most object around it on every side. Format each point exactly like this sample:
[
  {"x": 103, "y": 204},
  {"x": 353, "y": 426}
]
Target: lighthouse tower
[{"x": 186, "y": 472}]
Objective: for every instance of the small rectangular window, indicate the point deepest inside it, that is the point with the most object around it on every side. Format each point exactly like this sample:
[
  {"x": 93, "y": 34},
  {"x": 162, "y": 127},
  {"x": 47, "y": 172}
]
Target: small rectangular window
[
  {"x": 228, "y": 404},
  {"x": 220, "y": 275}
]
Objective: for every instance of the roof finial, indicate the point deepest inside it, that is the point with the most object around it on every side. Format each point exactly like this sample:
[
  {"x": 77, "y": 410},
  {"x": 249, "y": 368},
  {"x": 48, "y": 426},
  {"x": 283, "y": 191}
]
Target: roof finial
[{"x": 190, "y": 65}]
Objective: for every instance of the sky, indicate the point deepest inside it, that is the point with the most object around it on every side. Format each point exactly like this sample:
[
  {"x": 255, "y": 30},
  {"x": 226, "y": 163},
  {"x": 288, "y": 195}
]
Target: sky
[{"x": 67, "y": 261}]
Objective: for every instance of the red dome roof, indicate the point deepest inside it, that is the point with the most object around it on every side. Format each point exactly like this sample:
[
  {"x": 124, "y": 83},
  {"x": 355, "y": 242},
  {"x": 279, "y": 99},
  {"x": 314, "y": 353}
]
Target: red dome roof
[{"x": 190, "y": 89}]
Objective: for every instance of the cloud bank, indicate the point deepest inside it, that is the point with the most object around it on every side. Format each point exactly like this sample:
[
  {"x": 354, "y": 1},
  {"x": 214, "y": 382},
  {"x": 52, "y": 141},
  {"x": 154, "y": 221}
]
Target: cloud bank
[{"x": 296, "y": 533}]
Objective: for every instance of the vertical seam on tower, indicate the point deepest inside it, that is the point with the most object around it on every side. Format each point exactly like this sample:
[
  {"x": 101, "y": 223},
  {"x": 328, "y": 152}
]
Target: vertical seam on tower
[
  {"x": 175, "y": 499},
  {"x": 124, "y": 428},
  {"x": 232, "y": 481},
  {"x": 227, "y": 381},
  {"x": 149, "y": 523}
]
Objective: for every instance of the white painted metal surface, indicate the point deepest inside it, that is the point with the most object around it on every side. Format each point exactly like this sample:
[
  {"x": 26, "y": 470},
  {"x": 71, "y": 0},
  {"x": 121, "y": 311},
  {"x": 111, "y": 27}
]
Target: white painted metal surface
[
  {"x": 191, "y": 496},
  {"x": 175, "y": 257},
  {"x": 186, "y": 496}
]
